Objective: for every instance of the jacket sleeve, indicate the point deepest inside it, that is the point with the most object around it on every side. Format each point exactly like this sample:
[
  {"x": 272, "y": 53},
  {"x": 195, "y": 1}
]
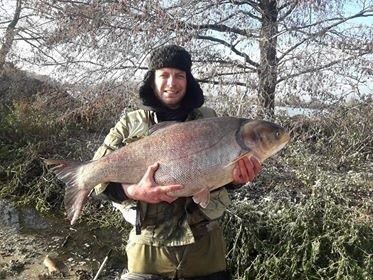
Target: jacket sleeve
[{"x": 113, "y": 141}]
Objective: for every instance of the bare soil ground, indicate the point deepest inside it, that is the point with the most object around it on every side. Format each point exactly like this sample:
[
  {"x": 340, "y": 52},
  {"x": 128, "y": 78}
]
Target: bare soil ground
[{"x": 77, "y": 253}]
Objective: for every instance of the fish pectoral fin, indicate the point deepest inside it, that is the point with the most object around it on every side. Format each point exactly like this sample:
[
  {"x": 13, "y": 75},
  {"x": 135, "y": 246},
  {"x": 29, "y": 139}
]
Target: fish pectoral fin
[
  {"x": 248, "y": 154},
  {"x": 202, "y": 197}
]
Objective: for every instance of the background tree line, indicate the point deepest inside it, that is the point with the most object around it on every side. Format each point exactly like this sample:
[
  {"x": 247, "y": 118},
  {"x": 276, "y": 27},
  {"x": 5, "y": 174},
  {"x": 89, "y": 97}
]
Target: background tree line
[{"x": 319, "y": 51}]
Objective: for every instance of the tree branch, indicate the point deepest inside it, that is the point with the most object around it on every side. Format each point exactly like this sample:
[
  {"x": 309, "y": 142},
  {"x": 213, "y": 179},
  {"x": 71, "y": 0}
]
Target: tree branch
[
  {"x": 233, "y": 49},
  {"x": 322, "y": 31},
  {"x": 221, "y": 28},
  {"x": 292, "y": 5},
  {"x": 321, "y": 67}
]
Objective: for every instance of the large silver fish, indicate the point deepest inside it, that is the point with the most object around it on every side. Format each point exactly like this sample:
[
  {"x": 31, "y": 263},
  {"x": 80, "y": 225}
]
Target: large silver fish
[{"x": 198, "y": 154}]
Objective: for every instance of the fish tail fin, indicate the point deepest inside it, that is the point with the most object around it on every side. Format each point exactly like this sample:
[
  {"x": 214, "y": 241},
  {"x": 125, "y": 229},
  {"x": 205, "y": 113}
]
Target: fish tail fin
[
  {"x": 65, "y": 170},
  {"x": 76, "y": 194}
]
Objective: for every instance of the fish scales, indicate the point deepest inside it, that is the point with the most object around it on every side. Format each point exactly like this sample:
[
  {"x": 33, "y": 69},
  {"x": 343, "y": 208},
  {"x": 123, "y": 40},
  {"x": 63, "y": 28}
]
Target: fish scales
[{"x": 179, "y": 151}]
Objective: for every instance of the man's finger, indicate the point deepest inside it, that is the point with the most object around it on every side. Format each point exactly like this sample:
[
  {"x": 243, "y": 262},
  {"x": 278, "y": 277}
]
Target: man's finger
[
  {"x": 245, "y": 169},
  {"x": 152, "y": 168},
  {"x": 256, "y": 164},
  {"x": 236, "y": 173},
  {"x": 250, "y": 169},
  {"x": 171, "y": 188},
  {"x": 166, "y": 190}
]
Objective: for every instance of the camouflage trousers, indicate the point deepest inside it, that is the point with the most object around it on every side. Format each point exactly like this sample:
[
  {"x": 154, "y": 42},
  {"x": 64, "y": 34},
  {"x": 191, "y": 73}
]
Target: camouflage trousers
[{"x": 204, "y": 257}]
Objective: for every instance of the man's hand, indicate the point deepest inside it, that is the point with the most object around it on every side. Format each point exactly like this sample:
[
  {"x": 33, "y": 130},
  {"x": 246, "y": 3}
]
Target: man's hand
[
  {"x": 246, "y": 170},
  {"x": 147, "y": 189}
]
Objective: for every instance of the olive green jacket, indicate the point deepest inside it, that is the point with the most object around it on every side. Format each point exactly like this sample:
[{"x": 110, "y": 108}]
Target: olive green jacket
[{"x": 162, "y": 224}]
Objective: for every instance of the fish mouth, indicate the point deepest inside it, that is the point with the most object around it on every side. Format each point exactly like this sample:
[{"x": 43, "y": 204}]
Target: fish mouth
[{"x": 285, "y": 139}]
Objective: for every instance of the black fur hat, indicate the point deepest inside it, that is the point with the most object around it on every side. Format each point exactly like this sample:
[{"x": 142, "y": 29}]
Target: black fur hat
[{"x": 171, "y": 56}]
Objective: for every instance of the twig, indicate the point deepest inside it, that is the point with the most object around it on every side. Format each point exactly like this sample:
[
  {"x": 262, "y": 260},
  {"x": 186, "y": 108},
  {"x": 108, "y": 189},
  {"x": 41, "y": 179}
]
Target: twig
[{"x": 102, "y": 265}]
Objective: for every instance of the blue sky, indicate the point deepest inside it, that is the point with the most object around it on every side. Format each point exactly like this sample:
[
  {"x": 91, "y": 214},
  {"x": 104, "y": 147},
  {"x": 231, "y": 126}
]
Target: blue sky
[{"x": 353, "y": 8}]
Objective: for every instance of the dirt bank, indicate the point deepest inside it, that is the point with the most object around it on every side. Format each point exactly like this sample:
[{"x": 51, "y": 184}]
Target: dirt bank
[{"x": 26, "y": 240}]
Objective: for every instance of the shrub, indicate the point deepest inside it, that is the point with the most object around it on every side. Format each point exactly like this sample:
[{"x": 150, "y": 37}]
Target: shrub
[
  {"x": 322, "y": 237},
  {"x": 310, "y": 216}
]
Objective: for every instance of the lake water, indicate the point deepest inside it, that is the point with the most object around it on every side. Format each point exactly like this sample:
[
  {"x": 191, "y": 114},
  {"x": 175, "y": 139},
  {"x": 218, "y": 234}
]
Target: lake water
[{"x": 294, "y": 111}]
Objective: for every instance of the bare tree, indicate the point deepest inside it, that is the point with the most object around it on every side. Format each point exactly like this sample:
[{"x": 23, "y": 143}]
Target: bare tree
[
  {"x": 23, "y": 33},
  {"x": 9, "y": 35},
  {"x": 264, "y": 47}
]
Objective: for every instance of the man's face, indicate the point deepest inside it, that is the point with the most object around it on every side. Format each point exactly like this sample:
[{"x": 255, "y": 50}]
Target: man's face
[{"x": 170, "y": 85}]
